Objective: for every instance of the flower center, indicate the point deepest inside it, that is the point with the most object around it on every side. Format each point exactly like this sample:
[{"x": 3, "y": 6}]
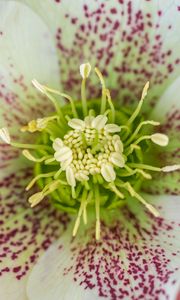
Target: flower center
[
  {"x": 90, "y": 153},
  {"x": 91, "y": 148}
]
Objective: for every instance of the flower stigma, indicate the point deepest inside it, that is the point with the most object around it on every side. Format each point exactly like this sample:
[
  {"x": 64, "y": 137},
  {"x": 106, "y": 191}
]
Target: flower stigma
[{"x": 90, "y": 154}]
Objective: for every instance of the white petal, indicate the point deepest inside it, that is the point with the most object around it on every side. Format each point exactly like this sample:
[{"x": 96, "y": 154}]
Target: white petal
[
  {"x": 160, "y": 139},
  {"x": 27, "y": 51},
  {"x": 58, "y": 144},
  {"x": 70, "y": 176},
  {"x": 99, "y": 122},
  {"x": 76, "y": 124},
  {"x": 108, "y": 173},
  {"x": 137, "y": 255},
  {"x": 4, "y": 135},
  {"x": 117, "y": 159},
  {"x": 65, "y": 153},
  {"x": 85, "y": 70},
  {"x": 112, "y": 128}
]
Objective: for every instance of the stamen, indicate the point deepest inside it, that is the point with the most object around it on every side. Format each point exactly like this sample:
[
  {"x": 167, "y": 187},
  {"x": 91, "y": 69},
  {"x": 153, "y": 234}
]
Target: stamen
[
  {"x": 85, "y": 206},
  {"x": 97, "y": 207},
  {"x": 43, "y": 90},
  {"x": 29, "y": 186},
  {"x": 137, "y": 110},
  {"x": 171, "y": 168},
  {"x": 116, "y": 191},
  {"x": 160, "y": 139},
  {"x": 112, "y": 119},
  {"x": 132, "y": 172},
  {"x": 144, "y": 166},
  {"x": 138, "y": 129},
  {"x": 157, "y": 138},
  {"x": 78, "y": 219},
  {"x": 4, "y": 135},
  {"x": 74, "y": 111},
  {"x": 103, "y": 99},
  {"x": 29, "y": 156},
  {"x": 85, "y": 70},
  {"x": 133, "y": 193},
  {"x": 30, "y": 146}
]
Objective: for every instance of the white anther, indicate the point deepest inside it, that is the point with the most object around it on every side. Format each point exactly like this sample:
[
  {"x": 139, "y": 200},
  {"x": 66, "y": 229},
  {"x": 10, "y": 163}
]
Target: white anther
[
  {"x": 112, "y": 128},
  {"x": 160, "y": 139},
  {"x": 81, "y": 176},
  {"x": 99, "y": 122},
  {"x": 88, "y": 121},
  {"x": 4, "y": 135},
  {"x": 171, "y": 168},
  {"x": 107, "y": 172},
  {"x": 117, "y": 159},
  {"x": 63, "y": 154},
  {"x": 58, "y": 144},
  {"x": 70, "y": 176},
  {"x": 76, "y": 124},
  {"x": 66, "y": 163},
  {"x": 118, "y": 146},
  {"x": 85, "y": 70}
]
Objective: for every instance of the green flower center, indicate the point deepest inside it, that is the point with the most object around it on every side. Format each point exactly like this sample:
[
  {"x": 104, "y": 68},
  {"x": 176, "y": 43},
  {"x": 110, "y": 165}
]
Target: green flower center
[{"x": 90, "y": 153}]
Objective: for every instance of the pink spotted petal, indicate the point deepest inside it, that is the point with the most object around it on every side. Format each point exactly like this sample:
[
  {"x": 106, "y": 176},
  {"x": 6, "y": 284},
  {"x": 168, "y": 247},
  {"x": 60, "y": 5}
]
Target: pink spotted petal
[
  {"x": 136, "y": 258},
  {"x": 27, "y": 52},
  {"x": 25, "y": 233},
  {"x": 131, "y": 41}
]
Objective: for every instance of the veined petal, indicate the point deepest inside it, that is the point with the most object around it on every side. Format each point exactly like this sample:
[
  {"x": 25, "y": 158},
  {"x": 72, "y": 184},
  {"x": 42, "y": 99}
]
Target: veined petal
[
  {"x": 27, "y": 52},
  {"x": 131, "y": 41},
  {"x": 137, "y": 257},
  {"x": 25, "y": 233}
]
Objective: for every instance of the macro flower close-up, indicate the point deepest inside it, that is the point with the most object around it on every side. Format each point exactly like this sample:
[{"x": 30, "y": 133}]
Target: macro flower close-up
[{"x": 89, "y": 150}]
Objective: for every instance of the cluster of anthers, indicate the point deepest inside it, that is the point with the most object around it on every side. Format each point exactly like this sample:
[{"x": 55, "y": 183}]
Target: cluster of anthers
[{"x": 89, "y": 153}]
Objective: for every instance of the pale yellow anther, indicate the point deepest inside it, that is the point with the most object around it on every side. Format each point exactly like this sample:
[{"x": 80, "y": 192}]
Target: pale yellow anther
[
  {"x": 30, "y": 127},
  {"x": 85, "y": 70},
  {"x": 107, "y": 172},
  {"x": 160, "y": 139},
  {"x": 70, "y": 176},
  {"x": 4, "y": 135},
  {"x": 36, "y": 199},
  {"x": 170, "y": 168},
  {"x": 76, "y": 124},
  {"x": 99, "y": 122}
]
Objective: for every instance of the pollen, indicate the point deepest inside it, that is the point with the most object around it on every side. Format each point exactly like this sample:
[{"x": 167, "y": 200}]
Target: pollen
[{"x": 90, "y": 148}]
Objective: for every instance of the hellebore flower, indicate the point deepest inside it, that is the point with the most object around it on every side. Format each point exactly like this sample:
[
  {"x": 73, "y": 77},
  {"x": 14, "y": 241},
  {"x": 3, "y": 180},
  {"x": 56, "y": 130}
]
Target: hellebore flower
[{"x": 94, "y": 158}]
